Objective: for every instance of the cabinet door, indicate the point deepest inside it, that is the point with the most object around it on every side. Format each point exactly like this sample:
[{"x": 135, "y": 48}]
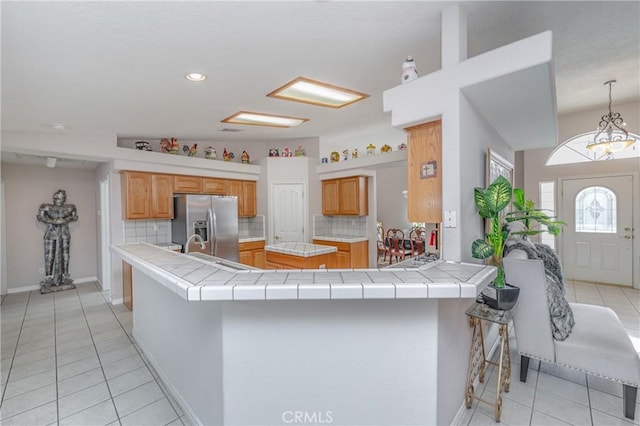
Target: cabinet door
[
  {"x": 137, "y": 195},
  {"x": 213, "y": 186},
  {"x": 234, "y": 188},
  {"x": 187, "y": 184},
  {"x": 162, "y": 196},
  {"x": 246, "y": 257},
  {"x": 353, "y": 196},
  {"x": 343, "y": 260},
  {"x": 330, "y": 197},
  {"x": 259, "y": 260},
  {"x": 425, "y": 195},
  {"x": 249, "y": 198}
]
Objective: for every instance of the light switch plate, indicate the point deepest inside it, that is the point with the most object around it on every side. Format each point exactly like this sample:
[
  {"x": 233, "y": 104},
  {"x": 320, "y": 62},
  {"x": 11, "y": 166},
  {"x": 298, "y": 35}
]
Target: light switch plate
[{"x": 450, "y": 219}]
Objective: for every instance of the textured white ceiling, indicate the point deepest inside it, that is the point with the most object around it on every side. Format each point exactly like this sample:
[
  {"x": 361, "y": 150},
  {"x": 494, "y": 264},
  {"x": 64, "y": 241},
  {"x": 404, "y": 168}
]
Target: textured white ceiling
[{"x": 118, "y": 66}]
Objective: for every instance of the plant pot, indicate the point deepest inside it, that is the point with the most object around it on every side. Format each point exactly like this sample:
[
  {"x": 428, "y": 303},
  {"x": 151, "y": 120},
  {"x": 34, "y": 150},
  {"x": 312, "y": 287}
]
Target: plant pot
[{"x": 503, "y": 298}]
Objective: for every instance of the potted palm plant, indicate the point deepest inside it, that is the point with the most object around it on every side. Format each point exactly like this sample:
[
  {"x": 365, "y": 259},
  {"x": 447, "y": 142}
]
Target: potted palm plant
[{"x": 492, "y": 204}]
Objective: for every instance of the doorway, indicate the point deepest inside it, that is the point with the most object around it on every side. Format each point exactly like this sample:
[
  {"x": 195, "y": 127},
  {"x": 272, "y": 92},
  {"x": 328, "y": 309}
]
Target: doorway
[
  {"x": 598, "y": 238},
  {"x": 105, "y": 235},
  {"x": 287, "y": 204}
]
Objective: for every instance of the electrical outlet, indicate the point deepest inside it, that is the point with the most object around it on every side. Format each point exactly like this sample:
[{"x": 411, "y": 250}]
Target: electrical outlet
[{"x": 41, "y": 271}]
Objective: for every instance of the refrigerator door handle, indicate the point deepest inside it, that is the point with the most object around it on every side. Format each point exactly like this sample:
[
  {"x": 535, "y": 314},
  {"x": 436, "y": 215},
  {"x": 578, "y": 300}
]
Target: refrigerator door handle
[{"x": 213, "y": 236}]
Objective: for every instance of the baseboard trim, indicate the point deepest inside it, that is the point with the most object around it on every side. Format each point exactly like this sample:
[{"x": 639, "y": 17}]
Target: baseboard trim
[
  {"x": 22, "y": 289},
  {"x": 117, "y": 301}
]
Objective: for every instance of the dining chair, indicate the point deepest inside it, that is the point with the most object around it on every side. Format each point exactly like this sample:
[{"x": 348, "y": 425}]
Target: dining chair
[
  {"x": 416, "y": 237},
  {"x": 395, "y": 239},
  {"x": 382, "y": 248}
]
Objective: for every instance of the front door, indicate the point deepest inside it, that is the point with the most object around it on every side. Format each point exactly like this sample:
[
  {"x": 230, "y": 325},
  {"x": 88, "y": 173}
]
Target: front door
[
  {"x": 288, "y": 212},
  {"x": 598, "y": 238}
]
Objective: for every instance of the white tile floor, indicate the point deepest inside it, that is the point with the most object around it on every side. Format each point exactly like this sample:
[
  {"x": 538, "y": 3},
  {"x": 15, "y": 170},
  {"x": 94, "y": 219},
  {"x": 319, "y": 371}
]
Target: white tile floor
[{"x": 68, "y": 359}]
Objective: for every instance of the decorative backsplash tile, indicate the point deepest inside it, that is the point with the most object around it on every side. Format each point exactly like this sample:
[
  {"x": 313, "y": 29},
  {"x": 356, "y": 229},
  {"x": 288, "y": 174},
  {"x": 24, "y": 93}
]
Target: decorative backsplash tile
[
  {"x": 147, "y": 231},
  {"x": 251, "y": 227},
  {"x": 339, "y": 225}
]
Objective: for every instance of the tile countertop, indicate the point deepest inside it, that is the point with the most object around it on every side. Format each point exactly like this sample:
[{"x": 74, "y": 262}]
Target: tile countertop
[
  {"x": 250, "y": 239},
  {"x": 338, "y": 238},
  {"x": 300, "y": 249},
  {"x": 194, "y": 279}
]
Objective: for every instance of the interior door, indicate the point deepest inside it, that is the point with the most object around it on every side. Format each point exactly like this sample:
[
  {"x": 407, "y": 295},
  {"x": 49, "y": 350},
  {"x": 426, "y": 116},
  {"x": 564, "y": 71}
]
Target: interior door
[
  {"x": 288, "y": 212},
  {"x": 598, "y": 238}
]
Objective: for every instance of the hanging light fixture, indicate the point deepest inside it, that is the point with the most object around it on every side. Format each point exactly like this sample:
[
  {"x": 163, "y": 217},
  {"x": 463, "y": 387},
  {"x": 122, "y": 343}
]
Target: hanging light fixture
[{"x": 610, "y": 136}]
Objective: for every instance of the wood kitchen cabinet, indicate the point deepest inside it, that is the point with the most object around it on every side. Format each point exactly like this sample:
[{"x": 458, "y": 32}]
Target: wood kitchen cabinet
[
  {"x": 187, "y": 184},
  {"x": 349, "y": 255},
  {"x": 147, "y": 195},
  {"x": 424, "y": 168},
  {"x": 345, "y": 196},
  {"x": 252, "y": 254},
  {"x": 127, "y": 285},
  {"x": 213, "y": 186},
  {"x": 246, "y": 192}
]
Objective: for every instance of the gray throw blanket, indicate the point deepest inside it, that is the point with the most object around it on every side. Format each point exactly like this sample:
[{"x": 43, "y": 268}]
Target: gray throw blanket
[{"x": 562, "y": 320}]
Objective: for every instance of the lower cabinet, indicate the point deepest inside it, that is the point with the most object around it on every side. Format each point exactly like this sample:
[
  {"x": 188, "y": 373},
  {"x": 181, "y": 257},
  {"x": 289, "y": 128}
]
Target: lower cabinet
[
  {"x": 349, "y": 255},
  {"x": 252, "y": 254},
  {"x": 127, "y": 286}
]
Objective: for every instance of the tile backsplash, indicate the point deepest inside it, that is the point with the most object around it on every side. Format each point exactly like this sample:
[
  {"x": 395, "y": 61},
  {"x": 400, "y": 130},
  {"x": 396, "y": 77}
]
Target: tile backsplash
[
  {"x": 339, "y": 225},
  {"x": 147, "y": 231},
  {"x": 251, "y": 227}
]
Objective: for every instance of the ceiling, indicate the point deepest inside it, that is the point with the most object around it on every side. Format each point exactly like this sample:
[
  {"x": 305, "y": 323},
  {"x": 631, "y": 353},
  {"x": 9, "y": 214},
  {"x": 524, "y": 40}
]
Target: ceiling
[{"x": 118, "y": 67}]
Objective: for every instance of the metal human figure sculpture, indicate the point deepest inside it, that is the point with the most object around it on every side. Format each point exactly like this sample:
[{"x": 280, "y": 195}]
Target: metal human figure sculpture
[{"x": 57, "y": 239}]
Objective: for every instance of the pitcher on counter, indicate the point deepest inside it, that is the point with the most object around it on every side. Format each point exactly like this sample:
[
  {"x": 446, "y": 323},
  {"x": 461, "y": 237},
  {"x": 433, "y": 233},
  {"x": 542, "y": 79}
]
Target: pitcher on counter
[{"x": 57, "y": 240}]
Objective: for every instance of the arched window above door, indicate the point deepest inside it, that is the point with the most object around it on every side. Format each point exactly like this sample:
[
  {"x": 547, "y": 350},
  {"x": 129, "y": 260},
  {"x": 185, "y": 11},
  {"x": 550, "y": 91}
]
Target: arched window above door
[
  {"x": 596, "y": 210},
  {"x": 574, "y": 150}
]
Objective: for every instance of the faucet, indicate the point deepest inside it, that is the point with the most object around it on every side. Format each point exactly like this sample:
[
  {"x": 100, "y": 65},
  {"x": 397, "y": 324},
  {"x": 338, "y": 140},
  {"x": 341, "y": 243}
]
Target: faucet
[{"x": 193, "y": 237}]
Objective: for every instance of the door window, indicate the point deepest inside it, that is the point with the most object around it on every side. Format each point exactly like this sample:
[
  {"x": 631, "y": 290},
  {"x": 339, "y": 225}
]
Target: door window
[{"x": 596, "y": 209}]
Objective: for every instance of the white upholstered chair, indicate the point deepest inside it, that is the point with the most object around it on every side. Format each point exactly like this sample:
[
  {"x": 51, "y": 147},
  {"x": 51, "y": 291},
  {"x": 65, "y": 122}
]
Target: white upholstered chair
[{"x": 597, "y": 345}]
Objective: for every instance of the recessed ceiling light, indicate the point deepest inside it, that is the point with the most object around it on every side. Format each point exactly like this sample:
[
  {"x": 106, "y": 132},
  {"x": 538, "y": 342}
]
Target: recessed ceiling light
[
  {"x": 317, "y": 93},
  {"x": 195, "y": 76},
  {"x": 261, "y": 119}
]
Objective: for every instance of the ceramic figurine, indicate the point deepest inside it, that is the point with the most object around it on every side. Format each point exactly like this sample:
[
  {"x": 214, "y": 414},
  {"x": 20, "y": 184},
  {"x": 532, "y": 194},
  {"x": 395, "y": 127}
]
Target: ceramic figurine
[
  {"x": 164, "y": 145},
  {"x": 335, "y": 157},
  {"x": 300, "y": 152},
  {"x": 371, "y": 149},
  {"x": 228, "y": 156},
  {"x": 185, "y": 148},
  {"x": 210, "y": 153},
  {"x": 245, "y": 157},
  {"x": 174, "y": 146},
  {"x": 402, "y": 146},
  {"x": 286, "y": 152},
  {"x": 386, "y": 148},
  {"x": 143, "y": 146},
  {"x": 354, "y": 153},
  {"x": 345, "y": 154},
  {"x": 409, "y": 70},
  {"x": 193, "y": 151},
  {"x": 273, "y": 152}
]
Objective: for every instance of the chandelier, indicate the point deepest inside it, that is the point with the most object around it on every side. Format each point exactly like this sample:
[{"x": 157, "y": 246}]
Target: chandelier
[{"x": 610, "y": 136}]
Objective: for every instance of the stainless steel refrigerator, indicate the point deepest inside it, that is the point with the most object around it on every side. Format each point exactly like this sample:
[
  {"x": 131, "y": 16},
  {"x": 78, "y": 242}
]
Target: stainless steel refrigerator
[{"x": 213, "y": 217}]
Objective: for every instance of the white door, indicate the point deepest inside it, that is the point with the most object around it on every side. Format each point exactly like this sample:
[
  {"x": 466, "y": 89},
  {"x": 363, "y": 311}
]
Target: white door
[
  {"x": 599, "y": 233},
  {"x": 287, "y": 202}
]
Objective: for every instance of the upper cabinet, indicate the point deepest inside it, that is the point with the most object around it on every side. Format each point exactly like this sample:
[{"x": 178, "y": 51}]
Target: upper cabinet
[
  {"x": 147, "y": 195},
  {"x": 424, "y": 168},
  {"x": 246, "y": 192},
  {"x": 345, "y": 196},
  {"x": 187, "y": 184},
  {"x": 213, "y": 186}
]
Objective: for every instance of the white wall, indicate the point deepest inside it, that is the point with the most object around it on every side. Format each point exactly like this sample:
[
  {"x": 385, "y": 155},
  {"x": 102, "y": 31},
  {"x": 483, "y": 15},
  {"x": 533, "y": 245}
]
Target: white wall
[
  {"x": 392, "y": 205},
  {"x": 26, "y": 188}
]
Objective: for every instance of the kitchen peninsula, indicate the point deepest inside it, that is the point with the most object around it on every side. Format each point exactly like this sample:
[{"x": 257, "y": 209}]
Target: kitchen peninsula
[{"x": 363, "y": 346}]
